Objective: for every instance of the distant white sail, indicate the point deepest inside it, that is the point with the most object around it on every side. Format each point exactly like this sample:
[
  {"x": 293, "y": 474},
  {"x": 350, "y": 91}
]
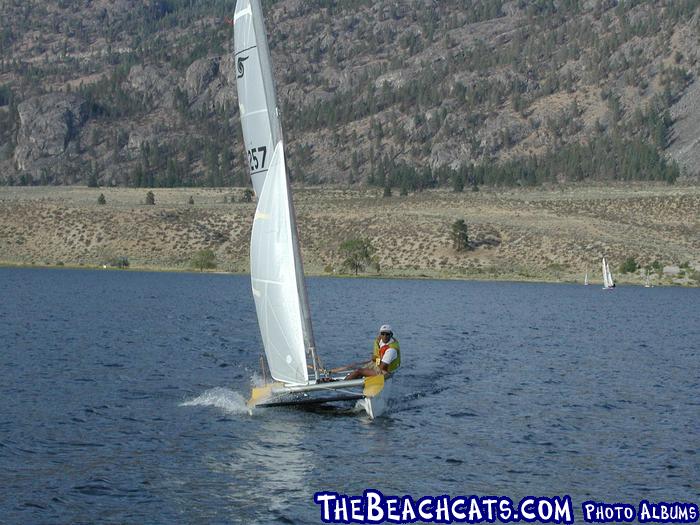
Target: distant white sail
[
  {"x": 274, "y": 280},
  {"x": 605, "y": 274},
  {"x": 256, "y": 90}
]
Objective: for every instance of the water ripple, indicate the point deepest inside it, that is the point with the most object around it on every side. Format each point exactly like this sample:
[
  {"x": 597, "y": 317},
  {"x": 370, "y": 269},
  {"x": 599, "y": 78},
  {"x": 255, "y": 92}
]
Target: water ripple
[{"x": 132, "y": 409}]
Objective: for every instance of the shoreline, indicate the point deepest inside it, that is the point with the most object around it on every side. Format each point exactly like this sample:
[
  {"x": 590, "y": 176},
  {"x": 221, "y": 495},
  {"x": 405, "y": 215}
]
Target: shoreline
[
  {"x": 520, "y": 235},
  {"x": 398, "y": 277}
]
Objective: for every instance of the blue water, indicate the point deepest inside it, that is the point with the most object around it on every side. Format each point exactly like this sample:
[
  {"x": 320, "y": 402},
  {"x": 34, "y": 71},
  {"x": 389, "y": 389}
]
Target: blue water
[{"x": 124, "y": 397}]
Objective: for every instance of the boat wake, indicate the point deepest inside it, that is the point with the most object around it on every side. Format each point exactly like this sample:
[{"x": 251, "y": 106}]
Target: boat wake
[{"x": 225, "y": 399}]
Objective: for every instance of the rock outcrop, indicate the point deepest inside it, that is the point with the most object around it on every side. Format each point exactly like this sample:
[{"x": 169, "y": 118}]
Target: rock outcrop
[
  {"x": 685, "y": 137},
  {"x": 49, "y": 128},
  {"x": 210, "y": 83},
  {"x": 153, "y": 85}
]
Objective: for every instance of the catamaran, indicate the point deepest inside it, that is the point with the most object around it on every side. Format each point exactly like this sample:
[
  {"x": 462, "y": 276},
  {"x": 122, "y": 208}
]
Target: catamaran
[
  {"x": 276, "y": 270},
  {"x": 608, "y": 283}
]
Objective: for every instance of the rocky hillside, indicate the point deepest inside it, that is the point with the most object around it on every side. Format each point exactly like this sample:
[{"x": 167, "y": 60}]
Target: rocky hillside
[{"x": 392, "y": 93}]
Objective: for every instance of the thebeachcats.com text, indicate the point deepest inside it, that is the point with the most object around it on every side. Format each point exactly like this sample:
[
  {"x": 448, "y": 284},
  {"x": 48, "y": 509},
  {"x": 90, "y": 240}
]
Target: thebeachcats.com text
[{"x": 374, "y": 507}]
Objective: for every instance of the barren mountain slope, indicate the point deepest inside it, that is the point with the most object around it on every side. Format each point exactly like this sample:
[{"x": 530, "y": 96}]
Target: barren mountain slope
[{"x": 142, "y": 93}]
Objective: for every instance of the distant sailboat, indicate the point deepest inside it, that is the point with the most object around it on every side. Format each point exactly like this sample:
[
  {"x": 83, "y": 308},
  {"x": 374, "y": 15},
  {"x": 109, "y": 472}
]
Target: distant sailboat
[
  {"x": 585, "y": 280},
  {"x": 647, "y": 282},
  {"x": 608, "y": 283}
]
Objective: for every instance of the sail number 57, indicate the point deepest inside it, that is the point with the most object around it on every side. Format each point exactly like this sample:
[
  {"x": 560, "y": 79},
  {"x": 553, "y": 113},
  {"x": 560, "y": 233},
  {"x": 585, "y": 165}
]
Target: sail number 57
[{"x": 256, "y": 158}]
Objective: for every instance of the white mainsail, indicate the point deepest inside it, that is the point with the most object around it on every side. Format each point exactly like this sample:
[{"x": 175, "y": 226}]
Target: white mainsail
[
  {"x": 277, "y": 274},
  {"x": 256, "y": 90}
]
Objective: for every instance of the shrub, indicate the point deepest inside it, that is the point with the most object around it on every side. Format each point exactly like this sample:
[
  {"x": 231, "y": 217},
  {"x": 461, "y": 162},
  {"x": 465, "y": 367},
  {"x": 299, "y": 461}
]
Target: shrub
[
  {"x": 204, "y": 260},
  {"x": 247, "y": 195},
  {"x": 101, "y": 199},
  {"x": 150, "y": 198},
  {"x": 358, "y": 253},
  {"x": 119, "y": 262},
  {"x": 629, "y": 266}
]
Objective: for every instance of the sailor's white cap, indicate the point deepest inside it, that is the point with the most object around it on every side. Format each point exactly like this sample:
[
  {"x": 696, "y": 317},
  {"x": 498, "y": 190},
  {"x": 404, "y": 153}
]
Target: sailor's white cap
[{"x": 385, "y": 328}]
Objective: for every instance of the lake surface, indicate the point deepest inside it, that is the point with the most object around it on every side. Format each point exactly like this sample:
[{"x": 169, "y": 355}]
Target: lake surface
[{"x": 124, "y": 397}]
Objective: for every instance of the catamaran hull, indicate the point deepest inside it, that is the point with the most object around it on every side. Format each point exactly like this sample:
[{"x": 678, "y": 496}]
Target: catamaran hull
[
  {"x": 333, "y": 393},
  {"x": 375, "y": 406}
]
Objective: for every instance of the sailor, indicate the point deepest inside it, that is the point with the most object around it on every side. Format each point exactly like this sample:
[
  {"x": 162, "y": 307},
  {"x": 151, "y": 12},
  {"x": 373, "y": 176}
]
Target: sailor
[{"x": 386, "y": 355}]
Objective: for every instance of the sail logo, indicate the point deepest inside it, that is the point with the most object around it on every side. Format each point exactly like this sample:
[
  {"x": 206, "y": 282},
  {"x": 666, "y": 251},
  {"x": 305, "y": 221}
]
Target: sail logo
[{"x": 239, "y": 66}]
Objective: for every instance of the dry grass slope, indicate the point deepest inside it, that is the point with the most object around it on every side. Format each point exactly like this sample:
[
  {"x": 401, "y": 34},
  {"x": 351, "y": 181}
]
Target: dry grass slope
[{"x": 540, "y": 234}]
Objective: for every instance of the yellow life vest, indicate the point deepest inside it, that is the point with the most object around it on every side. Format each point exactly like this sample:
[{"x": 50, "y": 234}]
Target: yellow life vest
[{"x": 380, "y": 348}]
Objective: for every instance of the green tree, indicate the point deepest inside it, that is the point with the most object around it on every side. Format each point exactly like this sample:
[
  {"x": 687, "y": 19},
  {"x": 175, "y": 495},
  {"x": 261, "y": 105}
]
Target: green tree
[
  {"x": 458, "y": 182},
  {"x": 459, "y": 235},
  {"x": 629, "y": 266},
  {"x": 358, "y": 254},
  {"x": 150, "y": 198},
  {"x": 204, "y": 260},
  {"x": 191, "y": 200},
  {"x": 101, "y": 199}
]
